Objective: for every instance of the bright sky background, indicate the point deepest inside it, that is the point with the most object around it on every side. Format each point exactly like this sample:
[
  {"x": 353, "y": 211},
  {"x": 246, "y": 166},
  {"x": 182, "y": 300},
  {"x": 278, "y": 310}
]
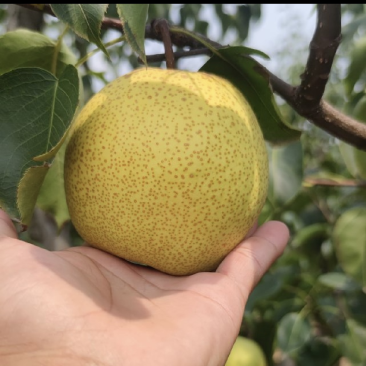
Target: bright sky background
[
  {"x": 275, "y": 22},
  {"x": 274, "y": 27}
]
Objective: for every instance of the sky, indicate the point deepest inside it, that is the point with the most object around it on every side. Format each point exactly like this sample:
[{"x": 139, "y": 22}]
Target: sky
[
  {"x": 273, "y": 28},
  {"x": 274, "y": 22}
]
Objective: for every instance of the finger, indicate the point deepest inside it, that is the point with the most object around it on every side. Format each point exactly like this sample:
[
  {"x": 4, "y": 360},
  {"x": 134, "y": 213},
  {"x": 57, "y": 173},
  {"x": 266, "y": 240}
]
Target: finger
[
  {"x": 249, "y": 261},
  {"x": 7, "y": 229}
]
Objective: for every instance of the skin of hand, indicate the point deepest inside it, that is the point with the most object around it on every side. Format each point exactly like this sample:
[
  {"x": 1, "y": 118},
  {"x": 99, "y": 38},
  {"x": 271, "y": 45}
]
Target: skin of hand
[{"x": 82, "y": 306}]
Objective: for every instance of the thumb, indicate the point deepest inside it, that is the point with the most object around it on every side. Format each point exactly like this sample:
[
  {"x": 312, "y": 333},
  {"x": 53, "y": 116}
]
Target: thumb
[
  {"x": 7, "y": 229},
  {"x": 249, "y": 261}
]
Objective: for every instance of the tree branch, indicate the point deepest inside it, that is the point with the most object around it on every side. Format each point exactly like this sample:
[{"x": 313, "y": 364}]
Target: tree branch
[
  {"x": 323, "y": 115},
  {"x": 323, "y": 48},
  {"x": 305, "y": 99},
  {"x": 180, "y": 40},
  {"x": 177, "y": 55},
  {"x": 333, "y": 183}
]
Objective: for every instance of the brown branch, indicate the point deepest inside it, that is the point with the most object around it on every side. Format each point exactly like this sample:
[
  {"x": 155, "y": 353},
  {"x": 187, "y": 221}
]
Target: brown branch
[
  {"x": 323, "y": 48},
  {"x": 323, "y": 115},
  {"x": 304, "y": 99},
  {"x": 178, "y": 39}
]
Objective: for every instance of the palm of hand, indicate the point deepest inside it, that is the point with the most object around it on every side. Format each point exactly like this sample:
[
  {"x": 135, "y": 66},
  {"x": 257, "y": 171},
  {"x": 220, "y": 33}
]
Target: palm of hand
[{"x": 84, "y": 306}]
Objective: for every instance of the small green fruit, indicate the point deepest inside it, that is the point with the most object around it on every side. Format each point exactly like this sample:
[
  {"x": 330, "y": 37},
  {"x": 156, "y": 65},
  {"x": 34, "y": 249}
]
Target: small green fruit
[
  {"x": 246, "y": 352},
  {"x": 166, "y": 168}
]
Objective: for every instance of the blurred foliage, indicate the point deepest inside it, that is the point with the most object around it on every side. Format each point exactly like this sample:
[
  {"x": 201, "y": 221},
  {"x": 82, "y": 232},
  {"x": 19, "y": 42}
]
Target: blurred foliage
[
  {"x": 320, "y": 280},
  {"x": 310, "y": 307}
]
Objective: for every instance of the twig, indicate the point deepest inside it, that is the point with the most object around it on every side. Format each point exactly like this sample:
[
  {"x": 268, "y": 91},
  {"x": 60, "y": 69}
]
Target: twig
[
  {"x": 324, "y": 45},
  {"x": 177, "y": 55},
  {"x": 334, "y": 183},
  {"x": 161, "y": 26}
]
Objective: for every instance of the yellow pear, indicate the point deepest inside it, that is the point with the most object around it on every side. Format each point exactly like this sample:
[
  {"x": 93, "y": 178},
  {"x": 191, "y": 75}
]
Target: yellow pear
[
  {"x": 246, "y": 352},
  {"x": 166, "y": 168}
]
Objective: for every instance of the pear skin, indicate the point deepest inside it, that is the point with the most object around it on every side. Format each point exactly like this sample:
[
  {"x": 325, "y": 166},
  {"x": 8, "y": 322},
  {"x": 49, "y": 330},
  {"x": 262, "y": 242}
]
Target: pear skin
[{"x": 166, "y": 168}]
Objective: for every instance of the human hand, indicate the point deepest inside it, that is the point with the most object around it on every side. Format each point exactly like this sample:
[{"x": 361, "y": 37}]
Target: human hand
[{"x": 86, "y": 307}]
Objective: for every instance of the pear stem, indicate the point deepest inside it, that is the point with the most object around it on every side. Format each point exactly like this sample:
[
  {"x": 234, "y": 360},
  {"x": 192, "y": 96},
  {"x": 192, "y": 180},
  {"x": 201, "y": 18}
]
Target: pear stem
[{"x": 161, "y": 26}]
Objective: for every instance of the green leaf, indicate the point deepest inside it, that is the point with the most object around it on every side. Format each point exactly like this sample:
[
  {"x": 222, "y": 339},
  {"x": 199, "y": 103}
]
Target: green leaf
[
  {"x": 84, "y": 19},
  {"x": 349, "y": 30},
  {"x": 353, "y": 343},
  {"x": 318, "y": 352},
  {"x": 356, "y": 305},
  {"x": 292, "y": 333},
  {"x": 310, "y": 237},
  {"x": 270, "y": 285},
  {"x": 286, "y": 172},
  {"x": 24, "y": 48},
  {"x": 338, "y": 281},
  {"x": 357, "y": 65},
  {"x": 349, "y": 237},
  {"x": 246, "y": 74},
  {"x": 52, "y": 198},
  {"x": 133, "y": 18},
  {"x": 355, "y": 159},
  {"x": 28, "y": 190},
  {"x": 36, "y": 109},
  {"x": 243, "y": 15}
]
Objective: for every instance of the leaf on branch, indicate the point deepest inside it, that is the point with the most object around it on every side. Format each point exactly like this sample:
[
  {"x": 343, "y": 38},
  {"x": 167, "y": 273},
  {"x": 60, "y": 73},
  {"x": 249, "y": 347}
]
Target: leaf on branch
[
  {"x": 25, "y": 48},
  {"x": 349, "y": 30},
  {"x": 244, "y": 72},
  {"x": 36, "y": 110},
  {"x": 133, "y": 18},
  {"x": 292, "y": 333},
  {"x": 286, "y": 172},
  {"x": 84, "y": 19},
  {"x": 319, "y": 351},
  {"x": 357, "y": 65},
  {"x": 355, "y": 159},
  {"x": 350, "y": 241},
  {"x": 52, "y": 198},
  {"x": 338, "y": 281},
  {"x": 353, "y": 342},
  {"x": 310, "y": 237},
  {"x": 28, "y": 190}
]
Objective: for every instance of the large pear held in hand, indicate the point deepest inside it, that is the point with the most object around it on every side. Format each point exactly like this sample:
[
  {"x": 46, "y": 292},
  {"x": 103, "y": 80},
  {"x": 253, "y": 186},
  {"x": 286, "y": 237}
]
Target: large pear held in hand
[{"x": 166, "y": 168}]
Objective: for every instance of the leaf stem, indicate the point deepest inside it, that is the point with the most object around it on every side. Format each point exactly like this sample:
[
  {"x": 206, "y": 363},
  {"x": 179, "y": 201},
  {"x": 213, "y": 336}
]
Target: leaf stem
[
  {"x": 108, "y": 44},
  {"x": 57, "y": 50}
]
